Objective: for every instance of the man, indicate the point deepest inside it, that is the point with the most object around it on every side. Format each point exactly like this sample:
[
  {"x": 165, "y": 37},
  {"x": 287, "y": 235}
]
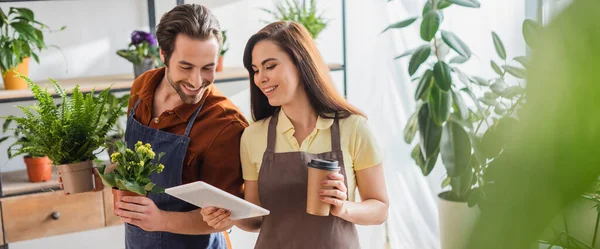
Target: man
[{"x": 178, "y": 111}]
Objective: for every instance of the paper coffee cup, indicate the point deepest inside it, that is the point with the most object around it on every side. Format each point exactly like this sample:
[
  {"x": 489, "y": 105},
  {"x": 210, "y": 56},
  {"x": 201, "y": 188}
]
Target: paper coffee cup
[{"x": 319, "y": 171}]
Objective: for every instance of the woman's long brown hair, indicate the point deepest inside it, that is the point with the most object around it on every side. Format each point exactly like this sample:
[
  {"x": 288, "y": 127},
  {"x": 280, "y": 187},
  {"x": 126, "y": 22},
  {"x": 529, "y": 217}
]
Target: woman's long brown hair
[{"x": 295, "y": 40}]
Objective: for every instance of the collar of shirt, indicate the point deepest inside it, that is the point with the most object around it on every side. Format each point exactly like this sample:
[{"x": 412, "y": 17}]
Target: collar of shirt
[{"x": 284, "y": 124}]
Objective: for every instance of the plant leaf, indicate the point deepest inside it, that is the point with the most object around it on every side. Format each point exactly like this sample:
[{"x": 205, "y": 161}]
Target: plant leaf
[
  {"x": 426, "y": 8},
  {"x": 515, "y": 71},
  {"x": 430, "y": 162},
  {"x": 480, "y": 81},
  {"x": 410, "y": 130},
  {"x": 440, "y": 103},
  {"x": 406, "y": 53},
  {"x": 500, "y": 108},
  {"x": 430, "y": 25},
  {"x": 498, "y": 87},
  {"x": 442, "y": 4},
  {"x": 474, "y": 196},
  {"x": 459, "y": 60},
  {"x": 523, "y": 60},
  {"x": 443, "y": 75},
  {"x": 512, "y": 92},
  {"x": 418, "y": 58},
  {"x": 424, "y": 85},
  {"x": 461, "y": 107},
  {"x": 531, "y": 32},
  {"x": 455, "y": 148},
  {"x": 401, "y": 24},
  {"x": 496, "y": 68},
  {"x": 456, "y": 43},
  {"x": 499, "y": 46},
  {"x": 446, "y": 182},
  {"x": 430, "y": 133},
  {"x": 417, "y": 155},
  {"x": 466, "y": 3}
]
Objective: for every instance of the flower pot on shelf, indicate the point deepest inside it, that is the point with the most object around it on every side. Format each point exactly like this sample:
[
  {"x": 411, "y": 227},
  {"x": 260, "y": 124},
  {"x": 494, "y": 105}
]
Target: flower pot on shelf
[
  {"x": 139, "y": 69},
  {"x": 14, "y": 82},
  {"x": 220, "y": 64},
  {"x": 77, "y": 177},
  {"x": 39, "y": 169}
]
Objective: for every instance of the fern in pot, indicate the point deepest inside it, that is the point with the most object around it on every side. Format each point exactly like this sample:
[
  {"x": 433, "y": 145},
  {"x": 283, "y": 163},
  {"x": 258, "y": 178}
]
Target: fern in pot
[
  {"x": 39, "y": 166},
  {"x": 70, "y": 134}
]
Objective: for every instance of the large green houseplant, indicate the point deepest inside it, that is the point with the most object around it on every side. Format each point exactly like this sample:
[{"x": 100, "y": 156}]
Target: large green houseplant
[
  {"x": 462, "y": 118},
  {"x": 21, "y": 38},
  {"x": 70, "y": 134},
  {"x": 308, "y": 16}
]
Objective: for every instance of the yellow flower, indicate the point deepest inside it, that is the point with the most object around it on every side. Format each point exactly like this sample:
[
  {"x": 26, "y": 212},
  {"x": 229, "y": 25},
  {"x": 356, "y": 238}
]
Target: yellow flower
[
  {"x": 139, "y": 143},
  {"x": 161, "y": 167},
  {"x": 114, "y": 156},
  {"x": 148, "y": 146}
]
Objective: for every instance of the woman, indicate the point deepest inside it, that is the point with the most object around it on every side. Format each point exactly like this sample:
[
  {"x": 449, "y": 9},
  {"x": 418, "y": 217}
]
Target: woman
[{"x": 299, "y": 115}]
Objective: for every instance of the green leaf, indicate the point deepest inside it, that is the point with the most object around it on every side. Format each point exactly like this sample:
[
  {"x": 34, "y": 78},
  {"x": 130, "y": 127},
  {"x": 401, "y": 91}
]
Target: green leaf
[
  {"x": 531, "y": 32},
  {"x": 430, "y": 25},
  {"x": 466, "y": 3},
  {"x": 417, "y": 155},
  {"x": 3, "y": 18},
  {"x": 456, "y": 43},
  {"x": 443, "y": 75},
  {"x": 108, "y": 179},
  {"x": 429, "y": 132},
  {"x": 462, "y": 184},
  {"x": 515, "y": 71},
  {"x": 410, "y": 130},
  {"x": 496, "y": 68},
  {"x": 480, "y": 81},
  {"x": 134, "y": 187},
  {"x": 466, "y": 123},
  {"x": 401, "y": 24},
  {"x": 459, "y": 60},
  {"x": 16, "y": 48},
  {"x": 461, "y": 107},
  {"x": 455, "y": 148},
  {"x": 407, "y": 53},
  {"x": 430, "y": 162},
  {"x": 157, "y": 190},
  {"x": 440, "y": 103},
  {"x": 489, "y": 102},
  {"x": 499, "y": 46},
  {"x": 446, "y": 182},
  {"x": 500, "y": 108},
  {"x": 35, "y": 57},
  {"x": 512, "y": 92},
  {"x": 490, "y": 95},
  {"x": 461, "y": 75},
  {"x": 424, "y": 85},
  {"x": 498, "y": 87},
  {"x": 426, "y": 8},
  {"x": 492, "y": 142},
  {"x": 474, "y": 197},
  {"x": 523, "y": 60},
  {"x": 418, "y": 58},
  {"x": 24, "y": 12},
  {"x": 25, "y": 30},
  {"x": 442, "y": 4}
]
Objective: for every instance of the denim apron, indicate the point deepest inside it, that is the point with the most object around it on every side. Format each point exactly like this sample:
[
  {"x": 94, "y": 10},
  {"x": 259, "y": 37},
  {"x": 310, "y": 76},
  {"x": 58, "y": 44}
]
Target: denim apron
[{"x": 175, "y": 147}]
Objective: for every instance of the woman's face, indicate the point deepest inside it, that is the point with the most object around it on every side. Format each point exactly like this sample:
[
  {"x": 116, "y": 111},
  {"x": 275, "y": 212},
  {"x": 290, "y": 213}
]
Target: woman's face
[{"x": 275, "y": 73}]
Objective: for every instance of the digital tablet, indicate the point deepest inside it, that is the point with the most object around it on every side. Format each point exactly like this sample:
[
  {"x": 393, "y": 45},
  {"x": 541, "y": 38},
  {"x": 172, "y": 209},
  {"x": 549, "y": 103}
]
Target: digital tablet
[{"x": 203, "y": 195}]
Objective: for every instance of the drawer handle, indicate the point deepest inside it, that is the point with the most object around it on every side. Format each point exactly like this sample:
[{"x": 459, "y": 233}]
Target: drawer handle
[{"x": 55, "y": 215}]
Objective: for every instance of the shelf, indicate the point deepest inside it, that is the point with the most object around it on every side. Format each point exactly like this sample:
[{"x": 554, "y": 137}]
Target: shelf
[
  {"x": 120, "y": 83},
  {"x": 16, "y": 183}
]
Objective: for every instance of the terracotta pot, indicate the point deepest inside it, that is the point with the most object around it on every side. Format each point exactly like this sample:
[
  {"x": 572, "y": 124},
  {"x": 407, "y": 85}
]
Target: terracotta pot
[
  {"x": 119, "y": 194},
  {"x": 39, "y": 169},
  {"x": 77, "y": 177},
  {"x": 14, "y": 82},
  {"x": 220, "y": 64}
]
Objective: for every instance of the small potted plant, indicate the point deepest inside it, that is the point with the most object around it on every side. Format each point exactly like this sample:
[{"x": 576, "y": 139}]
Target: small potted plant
[
  {"x": 131, "y": 175},
  {"x": 115, "y": 102},
  {"x": 292, "y": 10},
  {"x": 142, "y": 52},
  {"x": 224, "y": 49},
  {"x": 21, "y": 38},
  {"x": 39, "y": 166},
  {"x": 70, "y": 134}
]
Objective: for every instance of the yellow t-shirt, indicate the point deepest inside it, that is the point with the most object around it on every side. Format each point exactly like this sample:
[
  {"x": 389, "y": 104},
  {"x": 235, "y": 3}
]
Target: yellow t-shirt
[{"x": 359, "y": 147}]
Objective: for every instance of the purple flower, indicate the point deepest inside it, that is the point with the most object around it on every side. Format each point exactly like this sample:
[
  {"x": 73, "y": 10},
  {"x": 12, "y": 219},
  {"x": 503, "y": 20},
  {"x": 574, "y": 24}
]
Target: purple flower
[{"x": 139, "y": 36}]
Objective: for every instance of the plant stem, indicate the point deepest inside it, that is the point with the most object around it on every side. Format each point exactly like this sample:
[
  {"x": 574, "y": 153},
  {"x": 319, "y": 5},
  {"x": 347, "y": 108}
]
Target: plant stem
[
  {"x": 596, "y": 230},
  {"x": 481, "y": 122}
]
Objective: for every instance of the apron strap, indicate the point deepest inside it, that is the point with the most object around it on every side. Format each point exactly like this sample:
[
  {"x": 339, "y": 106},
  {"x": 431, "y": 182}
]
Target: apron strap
[
  {"x": 335, "y": 135},
  {"x": 132, "y": 113},
  {"x": 272, "y": 136},
  {"x": 193, "y": 118}
]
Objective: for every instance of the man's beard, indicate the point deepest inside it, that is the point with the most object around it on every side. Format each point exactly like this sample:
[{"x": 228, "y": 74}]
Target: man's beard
[{"x": 187, "y": 99}]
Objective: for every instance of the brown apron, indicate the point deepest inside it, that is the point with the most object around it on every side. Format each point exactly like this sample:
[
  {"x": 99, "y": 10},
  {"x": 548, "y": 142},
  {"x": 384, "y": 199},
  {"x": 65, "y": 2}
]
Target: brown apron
[{"x": 282, "y": 183}]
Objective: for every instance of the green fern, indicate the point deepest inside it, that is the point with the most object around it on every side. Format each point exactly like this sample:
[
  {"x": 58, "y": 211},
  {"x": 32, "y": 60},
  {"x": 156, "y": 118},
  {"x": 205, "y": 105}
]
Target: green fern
[
  {"x": 69, "y": 132},
  {"x": 291, "y": 10}
]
